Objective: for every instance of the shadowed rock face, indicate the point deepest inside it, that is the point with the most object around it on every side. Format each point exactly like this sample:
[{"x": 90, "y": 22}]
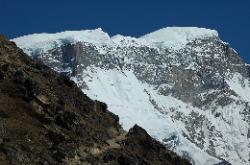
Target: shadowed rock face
[{"x": 46, "y": 119}]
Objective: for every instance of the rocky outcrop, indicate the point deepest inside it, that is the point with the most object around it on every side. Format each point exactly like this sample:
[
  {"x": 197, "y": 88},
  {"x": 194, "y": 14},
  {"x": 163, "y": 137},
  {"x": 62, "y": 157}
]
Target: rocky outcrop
[{"x": 46, "y": 119}]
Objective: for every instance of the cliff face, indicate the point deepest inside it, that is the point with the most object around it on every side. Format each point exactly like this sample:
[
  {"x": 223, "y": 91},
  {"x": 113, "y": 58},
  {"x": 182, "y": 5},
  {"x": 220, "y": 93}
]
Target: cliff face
[
  {"x": 184, "y": 86},
  {"x": 46, "y": 119}
]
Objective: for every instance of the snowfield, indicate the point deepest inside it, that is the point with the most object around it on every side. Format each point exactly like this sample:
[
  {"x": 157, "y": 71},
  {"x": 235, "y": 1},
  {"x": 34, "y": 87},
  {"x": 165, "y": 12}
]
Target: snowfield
[{"x": 131, "y": 101}]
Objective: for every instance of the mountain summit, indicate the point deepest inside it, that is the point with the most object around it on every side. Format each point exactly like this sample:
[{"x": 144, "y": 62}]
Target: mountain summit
[
  {"x": 169, "y": 36},
  {"x": 184, "y": 85}
]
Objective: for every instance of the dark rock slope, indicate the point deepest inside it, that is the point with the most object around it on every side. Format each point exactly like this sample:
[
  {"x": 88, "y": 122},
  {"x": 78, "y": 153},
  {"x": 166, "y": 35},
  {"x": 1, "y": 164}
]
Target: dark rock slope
[{"x": 46, "y": 119}]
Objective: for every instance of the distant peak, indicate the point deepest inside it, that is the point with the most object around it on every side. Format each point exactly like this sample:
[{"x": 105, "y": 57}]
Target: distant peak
[
  {"x": 179, "y": 34},
  {"x": 169, "y": 36},
  {"x": 41, "y": 40}
]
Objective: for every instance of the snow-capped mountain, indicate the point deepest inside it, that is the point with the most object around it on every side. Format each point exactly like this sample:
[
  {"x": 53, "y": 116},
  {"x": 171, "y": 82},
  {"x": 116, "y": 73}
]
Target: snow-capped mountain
[{"x": 184, "y": 85}]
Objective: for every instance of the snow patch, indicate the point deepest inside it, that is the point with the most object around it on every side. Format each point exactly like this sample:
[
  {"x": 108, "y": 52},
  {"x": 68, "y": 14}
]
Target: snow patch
[{"x": 240, "y": 85}]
